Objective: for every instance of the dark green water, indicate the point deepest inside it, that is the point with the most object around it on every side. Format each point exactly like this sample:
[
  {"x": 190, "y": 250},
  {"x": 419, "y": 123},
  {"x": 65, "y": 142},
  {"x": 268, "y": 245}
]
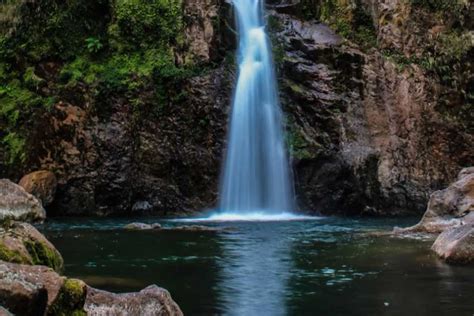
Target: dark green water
[{"x": 321, "y": 267}]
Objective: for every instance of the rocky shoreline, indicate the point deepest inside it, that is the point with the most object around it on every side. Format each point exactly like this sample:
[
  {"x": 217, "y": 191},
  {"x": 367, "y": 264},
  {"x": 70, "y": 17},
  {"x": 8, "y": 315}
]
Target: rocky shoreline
[
  {"x": 30, "y": 266},
  {"x": 30, "y": 271},
  {"x": 450, "y": 214}
]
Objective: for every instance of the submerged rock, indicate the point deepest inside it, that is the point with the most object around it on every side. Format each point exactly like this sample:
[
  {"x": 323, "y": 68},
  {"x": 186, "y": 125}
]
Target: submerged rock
[
  {"x": 157, "y": 226},
  {"x": 17, "y": 204},
  {"x": 456, "y": 245},
  {"x": 41, "y": 184},
  {"x": 197, "y": 228},
  {"x": 449, "y": 208},
  {"x": 22, "y": 243},
  {"x": 152, "y": 300},
  {"x": 142, "y": 226}
]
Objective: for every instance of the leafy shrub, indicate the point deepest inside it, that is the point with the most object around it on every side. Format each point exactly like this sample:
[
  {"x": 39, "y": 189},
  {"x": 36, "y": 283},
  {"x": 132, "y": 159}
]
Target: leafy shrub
[{"x": 93, "y": 45}]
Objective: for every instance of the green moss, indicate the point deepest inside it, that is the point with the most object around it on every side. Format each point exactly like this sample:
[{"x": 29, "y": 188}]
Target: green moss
[
  {"x": 70, "y": 299},
  {"x": 298, "y": 146},
  {"x": 13, "y": 256},
  {"x": 42, "y": 254}
]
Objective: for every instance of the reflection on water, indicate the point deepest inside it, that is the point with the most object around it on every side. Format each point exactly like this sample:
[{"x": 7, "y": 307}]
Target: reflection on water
[
  {"x": 254, "y": 277},
  {"x": 321, "y": 267}
]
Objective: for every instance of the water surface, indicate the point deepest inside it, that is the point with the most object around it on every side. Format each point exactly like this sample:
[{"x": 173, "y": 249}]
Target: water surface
[{"x": 318, "y": 267}]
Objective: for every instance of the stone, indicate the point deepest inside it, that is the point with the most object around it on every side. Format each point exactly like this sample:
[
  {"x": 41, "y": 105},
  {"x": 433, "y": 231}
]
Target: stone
[
  {"x": 23, "y": 243},
  {"x": 456, "y": 245},
  {"x": 17, "y": 204},
  {"x": 451, "y": 207},
  {"x": 152, "y": 300},
  {"x": 142, "y": 207},
  {"x": 41, "y": 184},
  {"x": 28, "y": 290},
  {"x": 142, "y": 226},
  {"x": 39, "y": 290}
]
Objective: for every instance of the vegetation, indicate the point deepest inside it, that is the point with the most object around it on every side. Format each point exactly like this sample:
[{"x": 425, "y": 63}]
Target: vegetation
[
  {"x": 100, "y": 47},
  {"x": 70, "y": 299},
  {"x": 348, "y": 18},
  {"x": 13, "y": 256},
  {"x": 42, "y": 254}
]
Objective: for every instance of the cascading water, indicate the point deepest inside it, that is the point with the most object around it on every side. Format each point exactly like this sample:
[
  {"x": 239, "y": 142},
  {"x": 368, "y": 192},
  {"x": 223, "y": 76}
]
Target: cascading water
[{"x": 256, "y": 177}]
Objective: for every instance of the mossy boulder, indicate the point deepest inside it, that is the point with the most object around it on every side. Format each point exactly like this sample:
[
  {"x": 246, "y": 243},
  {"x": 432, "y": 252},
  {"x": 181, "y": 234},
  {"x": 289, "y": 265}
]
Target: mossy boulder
[
  {"x": 39, "y": 290},
  {"x": 22, "y": 243},
  {"x": 17, "y": 204}
]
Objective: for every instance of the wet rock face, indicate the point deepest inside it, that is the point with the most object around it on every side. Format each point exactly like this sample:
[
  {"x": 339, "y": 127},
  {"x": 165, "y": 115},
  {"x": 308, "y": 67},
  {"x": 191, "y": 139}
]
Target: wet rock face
[
  {"x": 152, "y": 300},
  {"x": 17, "y": 204},
  {"x": 107, "y": 160},
  {"x": 41, "y": 184},
  {"x": 365, "y": 135},
  {"x": 456, "y": 245},
  {"x": 163, "y": 164}
]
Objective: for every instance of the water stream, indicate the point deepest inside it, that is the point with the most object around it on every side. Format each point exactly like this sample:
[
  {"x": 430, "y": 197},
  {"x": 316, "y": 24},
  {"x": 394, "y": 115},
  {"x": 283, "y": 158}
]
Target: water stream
[{"x": 256, "y": 177}]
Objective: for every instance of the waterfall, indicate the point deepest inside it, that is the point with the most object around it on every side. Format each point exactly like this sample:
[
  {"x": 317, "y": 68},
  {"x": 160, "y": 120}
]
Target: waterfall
[{"x": 256, "y": 176}]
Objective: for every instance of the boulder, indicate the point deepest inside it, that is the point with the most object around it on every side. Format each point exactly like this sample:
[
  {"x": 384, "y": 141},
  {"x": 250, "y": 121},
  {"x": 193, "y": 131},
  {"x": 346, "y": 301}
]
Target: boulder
[
  {"x": 17, "y": 204},
  {"x": 449, "y": 208},
  {"x": 456, "y": 245},
  {"x": 152, "y": 300},
  {"x": 22, "y": 243},
  {"x": 39, "y": 290},
  {"x": 41, "y": 184}
]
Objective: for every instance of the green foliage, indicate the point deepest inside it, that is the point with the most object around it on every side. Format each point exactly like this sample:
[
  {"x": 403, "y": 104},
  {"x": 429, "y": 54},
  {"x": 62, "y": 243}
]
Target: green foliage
[
  {"x": 15, "y": 146},
  {"x": 349, "y": 20},
  {"x": 93, "y": 45},
  {"x": 54, "y": 28},
  {"x": 440, "y": 5},
  {"x": 141, "y": 23}
]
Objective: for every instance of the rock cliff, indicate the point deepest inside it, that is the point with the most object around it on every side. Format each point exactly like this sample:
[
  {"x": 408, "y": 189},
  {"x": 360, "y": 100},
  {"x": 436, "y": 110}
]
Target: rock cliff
[{"x": 130, "y": 112}]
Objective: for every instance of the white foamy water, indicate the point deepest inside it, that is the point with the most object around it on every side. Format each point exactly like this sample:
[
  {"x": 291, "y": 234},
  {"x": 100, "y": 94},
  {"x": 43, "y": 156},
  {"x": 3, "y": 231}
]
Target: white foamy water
[{"x": 256, "y": 216}]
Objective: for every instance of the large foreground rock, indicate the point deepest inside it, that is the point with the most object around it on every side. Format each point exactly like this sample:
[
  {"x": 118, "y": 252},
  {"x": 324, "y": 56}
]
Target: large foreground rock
[
  {"x": 456, "y": 245},
  {"x": 152, "y": 300},
  {"x": 39, "y": 290},
  {"x": 17, "y": 204},
  {"x": 41, "y": 184},
  {"x": 451, "y": 207},
  {"x": 22, "y": 243}
]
